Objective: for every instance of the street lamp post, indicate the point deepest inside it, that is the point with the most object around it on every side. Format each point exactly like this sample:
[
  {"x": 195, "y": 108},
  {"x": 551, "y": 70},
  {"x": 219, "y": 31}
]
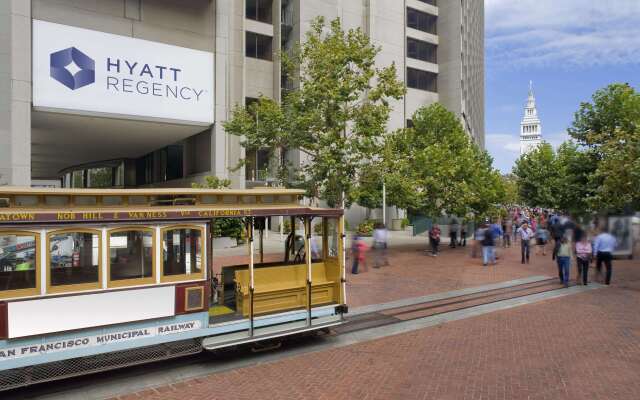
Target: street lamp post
[{"x": 384, "y": 204}]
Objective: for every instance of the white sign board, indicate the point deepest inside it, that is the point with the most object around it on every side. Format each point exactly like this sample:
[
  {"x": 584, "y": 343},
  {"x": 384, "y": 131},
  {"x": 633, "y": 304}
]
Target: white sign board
[
  {"x": 61, "y": 314},
  {"x": 82, "y": 71}
]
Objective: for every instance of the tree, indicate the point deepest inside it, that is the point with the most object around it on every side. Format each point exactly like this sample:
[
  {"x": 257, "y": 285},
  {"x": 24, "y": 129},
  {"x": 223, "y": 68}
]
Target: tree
[
  {"x": 575, "y": 166},
  {"x": 434, "y": 167},
  {"x": 337, "y": 118},
  {"x": 538, "y": 177},
  {"x": 557, "y": 179},
  {"x": 609, "y": 130},
  {"x": 511, "y": 193}
]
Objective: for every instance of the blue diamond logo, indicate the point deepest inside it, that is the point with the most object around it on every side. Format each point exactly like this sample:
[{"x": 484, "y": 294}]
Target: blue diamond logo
[{"x": 83, "y": 68}]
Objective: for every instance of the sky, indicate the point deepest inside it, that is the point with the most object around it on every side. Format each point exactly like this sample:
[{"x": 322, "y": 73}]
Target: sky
[{"x": 568, "y": 48}]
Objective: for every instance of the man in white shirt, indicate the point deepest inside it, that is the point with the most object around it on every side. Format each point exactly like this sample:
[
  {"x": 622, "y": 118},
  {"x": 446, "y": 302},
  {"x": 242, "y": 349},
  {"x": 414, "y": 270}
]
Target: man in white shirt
[
  {"x": 603, "y": 247},
  {"x": 380, "y": 245},
  {"x": 525, "y": 234}
]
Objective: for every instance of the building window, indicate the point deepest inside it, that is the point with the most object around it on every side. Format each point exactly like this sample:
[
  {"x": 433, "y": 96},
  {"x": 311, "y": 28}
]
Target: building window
[
  {"x": 410, "y": 123},
  {"x": 432, "y": 2},
  {"x": 74, "y": 260},
  {"x": 258, "y": 46},
  {"x": 171, "y": 163},
  {"x": 259, "y": 10},
  {"x": 182, "y": 253},
  {"x": 19, "y": 264},
  {"x": 422, "y": 50},
  {"x": 100, "y": 177},
  {"x": 131, "y": 254},
  {"x": 257, "y": 165},
  {"x": 422, "y": 21},
  {"x": 160, "y": 166},
  {"x": 422, "y": 80}
]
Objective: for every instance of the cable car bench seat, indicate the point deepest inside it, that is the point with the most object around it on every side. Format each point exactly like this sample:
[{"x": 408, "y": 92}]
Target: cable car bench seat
[{"x": 283, "y": 288}]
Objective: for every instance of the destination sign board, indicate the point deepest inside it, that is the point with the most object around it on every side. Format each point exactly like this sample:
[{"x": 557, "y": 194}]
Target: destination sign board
[{"x": 81, "y": 342}]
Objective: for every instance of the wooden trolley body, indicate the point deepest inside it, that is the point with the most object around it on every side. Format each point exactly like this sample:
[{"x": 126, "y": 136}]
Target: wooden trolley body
[{"x": 98, "y": 279}]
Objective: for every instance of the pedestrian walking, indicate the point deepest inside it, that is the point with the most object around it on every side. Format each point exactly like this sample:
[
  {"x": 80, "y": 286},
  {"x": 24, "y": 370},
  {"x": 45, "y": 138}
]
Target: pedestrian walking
[
  {"x": 453, "y": 232},
  {"x": 534, "y": 224},
  {"x": 362, "y": 251},
  {"x": 355, "y": 253},
  {"x": 557, "y": 232},
  {"x": 526, "y": 234},
  {"x": 488, "y": 246},
  {"x": 434, "y": 239},
  {"x": 583, "y": 259},
  {"x": 542, "y": 236},
  {"x": 603, "y": 247},
  {"x": 508, "y": 231},
  {"x": 564, "y": 260},
  {"x": 463, "y": 234},
  {"x": 477, "y": 242},
  {"x": 380, "y": 245}
]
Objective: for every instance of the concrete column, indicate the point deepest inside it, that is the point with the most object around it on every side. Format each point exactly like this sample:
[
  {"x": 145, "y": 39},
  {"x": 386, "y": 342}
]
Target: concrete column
[
  {"x": 229, "y": 90},
  {"x": 277, "y": 37},
  {"x": 15, "y": 92},
  {"x": 222, "y": 86}
]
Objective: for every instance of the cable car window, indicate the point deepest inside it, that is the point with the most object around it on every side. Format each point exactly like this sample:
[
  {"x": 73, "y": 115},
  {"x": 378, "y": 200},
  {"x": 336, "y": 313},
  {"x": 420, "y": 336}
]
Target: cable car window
[
  {"x": 181, "y": 253},
  {"x": 18, "y": 262},
  {"x": 85, "y": 200},
  {"x": 112, "y": 200},
  {"x": 74, "y": 259},
  {"x": 58, "y": 201},
  {"x": 26, "y": 201},
  {"x": 130, "y": 256}
]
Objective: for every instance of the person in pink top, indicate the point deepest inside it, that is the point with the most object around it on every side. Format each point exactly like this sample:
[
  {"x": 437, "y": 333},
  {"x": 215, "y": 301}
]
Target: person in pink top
[{"x": 583, "y": 258}]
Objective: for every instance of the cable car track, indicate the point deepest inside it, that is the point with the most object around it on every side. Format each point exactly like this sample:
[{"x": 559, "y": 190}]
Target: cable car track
[{"x": 443, "y": 306}]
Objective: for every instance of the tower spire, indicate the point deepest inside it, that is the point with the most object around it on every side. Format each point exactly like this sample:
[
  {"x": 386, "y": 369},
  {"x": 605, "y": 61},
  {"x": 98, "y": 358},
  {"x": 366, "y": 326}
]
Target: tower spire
[
  {"x": 530, "y": 127},
  {"x": 530, "y": 88}
]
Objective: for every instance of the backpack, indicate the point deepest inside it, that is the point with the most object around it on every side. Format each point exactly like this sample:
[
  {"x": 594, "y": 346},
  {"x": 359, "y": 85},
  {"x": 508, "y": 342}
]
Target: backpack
[{"x": 488, "y": 238}]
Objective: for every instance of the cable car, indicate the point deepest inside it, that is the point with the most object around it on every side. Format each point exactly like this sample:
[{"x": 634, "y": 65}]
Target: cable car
[{"x": 92, "y": 280}]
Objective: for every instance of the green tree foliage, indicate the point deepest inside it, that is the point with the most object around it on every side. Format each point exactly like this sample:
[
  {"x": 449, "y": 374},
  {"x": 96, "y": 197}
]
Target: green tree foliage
[
  {"x": 538, "y": 177},
  {"x": 434, "y": 167},
  {"x": 511, "y": 193},
  {"x": 338, "y": 117},
  {"x": 575, "y": 166},
  {"x": 368, "y": 192},
  {"x": 609, "y": 129},
  {"x": 556, "y": 179},
  {"x": 212, "y": 182}
]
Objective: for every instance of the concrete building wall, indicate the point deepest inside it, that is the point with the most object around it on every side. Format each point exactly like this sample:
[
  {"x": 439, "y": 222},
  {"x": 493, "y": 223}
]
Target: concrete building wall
[
  {"x": 461, "y": 62},
  {"x": 449, "y": 55},
  {"x": 386, "y": 29},
  {"x": 15, "y": 93},
  {"x": 188, "y": 24}
]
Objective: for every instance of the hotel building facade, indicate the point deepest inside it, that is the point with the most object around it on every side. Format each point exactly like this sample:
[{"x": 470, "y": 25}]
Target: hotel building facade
[{"x": 133, "y": 93}]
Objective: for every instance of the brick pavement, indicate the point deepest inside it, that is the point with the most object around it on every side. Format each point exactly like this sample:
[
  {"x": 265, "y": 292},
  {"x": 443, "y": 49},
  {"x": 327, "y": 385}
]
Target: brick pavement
[
  {"x": 414, "y": 273},
  {"x": 585, "y": 346}
]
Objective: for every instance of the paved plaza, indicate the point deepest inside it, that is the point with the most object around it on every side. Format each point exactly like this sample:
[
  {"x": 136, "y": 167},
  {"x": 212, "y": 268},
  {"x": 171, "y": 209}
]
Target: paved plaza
[
  {"x": 413, "y": 272},
  {"x": 581, "y": 346}
]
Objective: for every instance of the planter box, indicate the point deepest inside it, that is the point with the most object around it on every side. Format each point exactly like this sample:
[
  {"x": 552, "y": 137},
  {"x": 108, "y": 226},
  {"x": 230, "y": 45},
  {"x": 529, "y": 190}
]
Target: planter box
[
  {"x": 396, "y": 224},
  {"x": 224, "y": 243}
]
